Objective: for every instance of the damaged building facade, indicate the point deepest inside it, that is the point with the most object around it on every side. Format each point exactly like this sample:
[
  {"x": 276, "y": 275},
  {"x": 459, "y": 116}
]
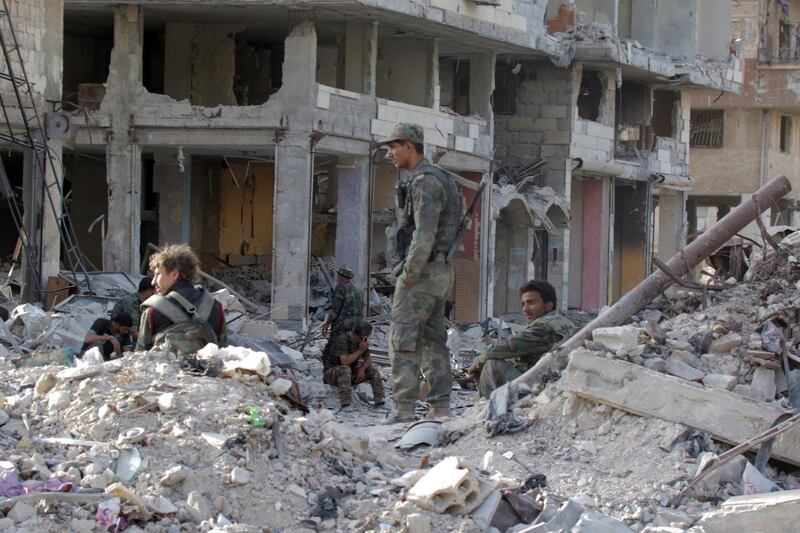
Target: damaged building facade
[
  {"x": 740, "y": 141},
  {"x": 247, "y": 129},
  {"x": 610, "y": 120}
]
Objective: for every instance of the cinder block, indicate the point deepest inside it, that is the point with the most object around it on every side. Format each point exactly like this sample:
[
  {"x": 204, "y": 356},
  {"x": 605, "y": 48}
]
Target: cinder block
[
  {"x": 520, "y": 124},
  {"x": 323, "y": 99},
  {"x": 556, "y": 137},
  {"x": 586, "y": 141},
  {"x": 465, "y": 144},
  {"x": 449, "y": 487},
  {"x": 554, "y": 111},
  {"x": 474, "y": 131},
  {"x": 544, "y": 124},
  {"x": 600, "y": 130}
]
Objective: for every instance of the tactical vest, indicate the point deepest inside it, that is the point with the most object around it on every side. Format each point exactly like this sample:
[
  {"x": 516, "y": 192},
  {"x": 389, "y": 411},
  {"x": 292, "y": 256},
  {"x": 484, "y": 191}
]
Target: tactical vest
[
  {"x": 190, "y": 329},
  {"x": 449, "y": 218}
]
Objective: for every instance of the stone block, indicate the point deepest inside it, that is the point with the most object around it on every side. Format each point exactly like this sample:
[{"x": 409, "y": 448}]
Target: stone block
[
  {"x": 621, "y": 339},
  {"x": 600, "y": 130},
  {"x": 765, "y": 513},
  {"x": 726, "y": 343},
  {"x": 544, "y": 124},
  {"x": 744, "y": 390},
  {"x": 449, "y": 487},
  {"x": 678, "y": 367},
  {"x": 519, "y": 124},
  {"x": 724, "y": 415},
  {"x": 656, "y": 363},
  {"x": 719, "y": 381},
  {"x": 417, "y": 523},
  {"x": 763, "y": 384},
  {"x": 554, "y": 111},
  {"x": 557, "y": 137}
]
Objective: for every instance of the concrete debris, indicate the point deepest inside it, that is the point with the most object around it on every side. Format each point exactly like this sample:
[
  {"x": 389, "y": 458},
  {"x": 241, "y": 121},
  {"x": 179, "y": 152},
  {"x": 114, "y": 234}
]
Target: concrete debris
[
  {"x": 450, "y": 487},
  {"x": 766, "y": 513},
  {"x": 619, "y": 340}
]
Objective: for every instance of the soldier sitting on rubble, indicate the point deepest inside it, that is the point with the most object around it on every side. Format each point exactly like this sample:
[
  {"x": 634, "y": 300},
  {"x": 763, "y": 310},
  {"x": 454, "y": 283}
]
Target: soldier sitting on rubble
[
  {"x": 349, "y": 363},
  {"x": 180, "y": 317},
  {"x": 111, "y": 336},
  {"x": 132, "y": 302},
  {"x": 508, "y": 359}
]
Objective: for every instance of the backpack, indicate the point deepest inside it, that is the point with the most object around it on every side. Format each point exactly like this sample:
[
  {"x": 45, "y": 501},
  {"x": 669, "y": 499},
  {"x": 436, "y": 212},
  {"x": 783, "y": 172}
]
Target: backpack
[{"x": 190, "y": 329}]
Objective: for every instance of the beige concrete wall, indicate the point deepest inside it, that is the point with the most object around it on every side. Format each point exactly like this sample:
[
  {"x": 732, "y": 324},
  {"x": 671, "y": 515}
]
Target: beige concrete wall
[{"x": 736, "y": 168}]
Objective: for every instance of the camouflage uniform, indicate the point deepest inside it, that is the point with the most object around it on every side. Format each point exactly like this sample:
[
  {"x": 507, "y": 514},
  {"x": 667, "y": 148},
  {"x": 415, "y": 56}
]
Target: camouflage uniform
[
  {"x": 418, "y": 329},
  {"x": 130, "y": 305},
  {"x": 526, "y": 347},
  {"x": 343, "y": 376},
  {"x": 346, "y": 311}
]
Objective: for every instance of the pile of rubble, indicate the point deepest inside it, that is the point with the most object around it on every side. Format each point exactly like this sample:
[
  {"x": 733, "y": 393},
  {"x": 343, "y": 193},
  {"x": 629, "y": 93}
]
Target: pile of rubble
[
  {"x": 245, "y": 438},
  {"x": 252, "y": 280}
]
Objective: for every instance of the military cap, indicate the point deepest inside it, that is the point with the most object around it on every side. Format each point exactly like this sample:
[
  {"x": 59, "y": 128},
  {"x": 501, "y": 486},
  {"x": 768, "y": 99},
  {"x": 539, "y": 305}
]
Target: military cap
[
  {"x": 345, "y": 271},
  {"x": 405, "y": 131}
]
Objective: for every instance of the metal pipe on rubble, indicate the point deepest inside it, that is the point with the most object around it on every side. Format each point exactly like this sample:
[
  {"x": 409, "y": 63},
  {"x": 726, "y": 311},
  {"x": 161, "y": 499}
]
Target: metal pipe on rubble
[{"x": 654, "y": 284}]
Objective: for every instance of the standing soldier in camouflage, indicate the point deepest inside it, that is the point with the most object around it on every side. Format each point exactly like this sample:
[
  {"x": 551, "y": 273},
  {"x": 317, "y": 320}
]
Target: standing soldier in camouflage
[
  {"x": 429, "y": 207},
  {"x": 508, "y": 359},
  {"x": 346, "y": 308}
]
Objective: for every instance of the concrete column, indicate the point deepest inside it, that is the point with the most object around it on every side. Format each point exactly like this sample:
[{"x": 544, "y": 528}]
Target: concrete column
[
  {"x": 53, "y": 57},
  {"x": 169, "y": 181},
  {"x": 352, "y": 217},
  {"x": 370, "y": 58},
  {"x": 293, "y": 184},
  {"x": 123, "y": 156},
  {"x": 292, "y": 227},
  {"x": 432, "y": 99},
  {"x": 481, "y": 86},
  {"x": 32, "y": 205},
  {"x": 671, "y": 216}
]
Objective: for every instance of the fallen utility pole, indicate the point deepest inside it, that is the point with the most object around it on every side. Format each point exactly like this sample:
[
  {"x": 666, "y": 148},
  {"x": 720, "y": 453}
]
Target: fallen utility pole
[{"x": 654, "y": 284}]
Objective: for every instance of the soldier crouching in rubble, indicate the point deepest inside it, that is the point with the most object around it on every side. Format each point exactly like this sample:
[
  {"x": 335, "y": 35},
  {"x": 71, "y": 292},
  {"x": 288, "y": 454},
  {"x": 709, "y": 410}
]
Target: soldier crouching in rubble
[
  {"x": 349, "y": 363},
  {"x": 111, "y": 336},
  {"x": 181, "y": 316},
  {"x": 546, "y": 328}
]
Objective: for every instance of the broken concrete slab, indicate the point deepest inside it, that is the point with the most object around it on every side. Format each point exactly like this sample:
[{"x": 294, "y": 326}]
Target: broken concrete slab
[
  {"x": 765, "y": 513},
  {"x": 719, "y": 381},
  {"x": 763, "y": 384},
  {"x": 727, "y": 416},
  {"x": 620, "y": 340},
  {"x": 726, "y": 343},
  {"x": 677, "y": 367}
]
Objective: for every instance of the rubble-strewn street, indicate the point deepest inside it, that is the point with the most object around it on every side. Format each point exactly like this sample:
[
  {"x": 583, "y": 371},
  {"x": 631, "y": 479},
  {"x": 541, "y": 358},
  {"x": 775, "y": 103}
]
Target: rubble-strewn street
[
  {"x": 407, "y": 266},
  {"x": 215, "y": 443}
]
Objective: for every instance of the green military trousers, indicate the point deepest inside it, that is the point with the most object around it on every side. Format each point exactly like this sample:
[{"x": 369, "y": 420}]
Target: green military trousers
[
  {"x": 496, "y": 373},
  {"x": 418, "y": 335}
]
